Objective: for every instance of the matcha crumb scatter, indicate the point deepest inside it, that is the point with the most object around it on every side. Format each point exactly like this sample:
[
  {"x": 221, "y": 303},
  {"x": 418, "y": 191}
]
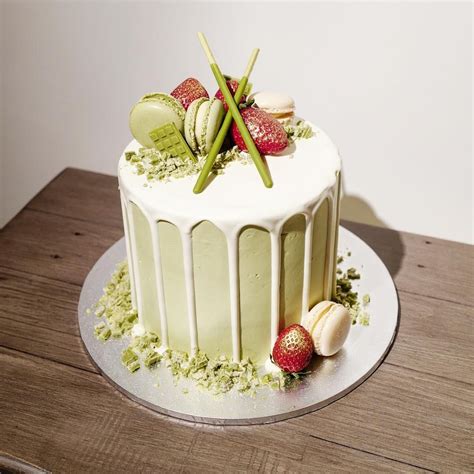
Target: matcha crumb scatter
[
  {"x": 161, "y": 166},
  {"x": 297, "y": 131},
  {"x": 347, "y": 296},
  {"x": 217, "y": 375},
  {"x": 115, "y": 306}
]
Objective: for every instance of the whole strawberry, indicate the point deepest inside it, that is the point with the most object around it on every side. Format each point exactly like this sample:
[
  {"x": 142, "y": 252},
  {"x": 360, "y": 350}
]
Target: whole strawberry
[
  {"x": 293, "y": 349},
  {"x": 188, "y": 91},
  {"x": 232, "y": 85},
  {"x": 267, "y": 132}
]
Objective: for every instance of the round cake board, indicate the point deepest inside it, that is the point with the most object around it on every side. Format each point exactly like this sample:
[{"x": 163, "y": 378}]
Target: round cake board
[{"x": 331, "y": 377}]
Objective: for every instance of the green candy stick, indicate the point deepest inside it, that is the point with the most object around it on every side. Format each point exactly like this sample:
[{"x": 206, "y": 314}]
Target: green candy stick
[
  {"x": 234, "y": 110},
  {"x": 217, "y": 145}
]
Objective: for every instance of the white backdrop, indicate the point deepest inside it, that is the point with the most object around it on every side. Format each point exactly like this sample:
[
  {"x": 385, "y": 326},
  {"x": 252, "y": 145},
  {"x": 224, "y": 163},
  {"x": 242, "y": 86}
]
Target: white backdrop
[{"x": 390, "y": 83}]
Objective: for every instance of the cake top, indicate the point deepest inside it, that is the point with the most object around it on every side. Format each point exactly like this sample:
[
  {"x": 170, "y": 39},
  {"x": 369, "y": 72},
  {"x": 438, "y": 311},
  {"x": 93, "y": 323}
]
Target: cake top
[{"x": 301, "y": 174}]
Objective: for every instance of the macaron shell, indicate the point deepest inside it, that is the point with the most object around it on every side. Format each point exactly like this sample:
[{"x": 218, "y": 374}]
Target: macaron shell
[
  {"x": 274, "y": 103},
  {"x": 214, "y": 121},
  {"x": 331, "y": 331},
  {"x": 310, "y": 319},
  {"x": 201, "y": 120},
  {"x": 147, "y": 115},
  {"x": 190, "y": 123}
]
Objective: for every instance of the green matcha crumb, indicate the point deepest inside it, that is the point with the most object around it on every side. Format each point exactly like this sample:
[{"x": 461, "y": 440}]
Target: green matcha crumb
[
  {"x": 353, "y": 274},
  {"x": 151, "y": 358},
  {"x": 130, "y": 360},
  {"x": 366, "y": 299},
  {"x": 300, "y": 130},
  {"x": 102, "y": 331},
  {"x": 364, "y": 319},
  {"x": 129, "y": 155}
]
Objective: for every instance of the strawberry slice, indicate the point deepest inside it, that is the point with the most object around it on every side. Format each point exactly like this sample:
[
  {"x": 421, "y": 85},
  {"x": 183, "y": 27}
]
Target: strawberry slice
[
  {"x": 188, "y": 91},
  {"x": 267, "y": 132}
]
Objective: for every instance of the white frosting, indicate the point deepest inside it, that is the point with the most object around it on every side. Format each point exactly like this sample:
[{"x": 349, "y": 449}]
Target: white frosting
[
  {"x": 232, "y": 201},
  {"x": 129, "y": 250},
  {"x": 160, "y": 291},
  {"x": 138, "y": 330},
  {"x": 269, "y": 366},
  {"x": 238, "y": 197}
]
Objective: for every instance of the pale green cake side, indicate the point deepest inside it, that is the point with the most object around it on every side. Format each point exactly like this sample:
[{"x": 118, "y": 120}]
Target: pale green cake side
[{"x": 211, "y": 278}]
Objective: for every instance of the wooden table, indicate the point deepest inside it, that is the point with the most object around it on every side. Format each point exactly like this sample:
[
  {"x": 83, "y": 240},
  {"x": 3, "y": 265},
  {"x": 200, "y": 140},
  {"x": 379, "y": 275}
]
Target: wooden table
[{"x": 414, "y": 414}]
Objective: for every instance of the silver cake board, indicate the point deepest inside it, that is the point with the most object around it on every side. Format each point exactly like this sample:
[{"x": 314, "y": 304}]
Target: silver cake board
[{"x": 331, "y": 377}]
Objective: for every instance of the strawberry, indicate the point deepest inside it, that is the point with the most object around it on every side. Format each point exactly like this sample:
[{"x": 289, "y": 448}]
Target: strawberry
[
  {"x": 188, "y": 91},
  {"x": 232, "y": 85},
  {"x": 267, "y": 132},
  {"x": 293, "y": 349}
]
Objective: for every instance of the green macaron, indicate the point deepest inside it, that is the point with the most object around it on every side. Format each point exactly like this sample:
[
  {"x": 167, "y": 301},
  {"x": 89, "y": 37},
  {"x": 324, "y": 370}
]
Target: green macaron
[
  {"x": 153, "y": 111},
  {"x": 190, "y": 123},
  {"x": 209, "y": 118}
]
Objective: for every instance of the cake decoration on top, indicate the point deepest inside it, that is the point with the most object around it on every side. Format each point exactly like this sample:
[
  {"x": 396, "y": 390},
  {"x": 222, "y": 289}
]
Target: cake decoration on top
[{"x": 205, "y": 127}]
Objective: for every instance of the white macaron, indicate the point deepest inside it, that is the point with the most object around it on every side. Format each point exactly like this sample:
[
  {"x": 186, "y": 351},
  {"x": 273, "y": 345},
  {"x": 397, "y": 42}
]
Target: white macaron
[
  {"x": 281, "y": 106},
  {"x": 329, "y": 324}
]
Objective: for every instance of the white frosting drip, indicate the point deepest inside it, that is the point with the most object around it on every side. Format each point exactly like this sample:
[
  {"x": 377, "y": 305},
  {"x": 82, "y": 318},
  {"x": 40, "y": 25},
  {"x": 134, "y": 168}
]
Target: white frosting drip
[
  {"x": 231, "y": 202},
  {"x": 330, "y": 253},
  {"x": 308, "y": 252},
  {"x": 138, "y": 330},
  {"x": 275, "y": 239},
  {"x": 233, "y": 257},
  {"x": 160, "y": 291},
  {"x": 129, "y": 251},
  {"x": 134, "y": 258},
  {"x": 190, "y": 289}
]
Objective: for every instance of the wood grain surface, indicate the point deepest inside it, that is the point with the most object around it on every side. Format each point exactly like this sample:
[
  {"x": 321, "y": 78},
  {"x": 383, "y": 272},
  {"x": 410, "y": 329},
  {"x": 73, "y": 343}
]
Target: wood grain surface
[{"x": 58, "y": 414}]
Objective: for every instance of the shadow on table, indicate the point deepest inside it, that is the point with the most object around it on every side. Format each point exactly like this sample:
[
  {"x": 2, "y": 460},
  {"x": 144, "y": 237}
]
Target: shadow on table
[{"x": 386, "y": 242}]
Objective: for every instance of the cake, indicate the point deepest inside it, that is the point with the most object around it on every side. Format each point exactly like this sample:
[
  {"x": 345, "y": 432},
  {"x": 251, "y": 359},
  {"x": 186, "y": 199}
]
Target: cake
[
  {"x": 224, "y": 271},
  {"x": 230, "y": 208}
]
